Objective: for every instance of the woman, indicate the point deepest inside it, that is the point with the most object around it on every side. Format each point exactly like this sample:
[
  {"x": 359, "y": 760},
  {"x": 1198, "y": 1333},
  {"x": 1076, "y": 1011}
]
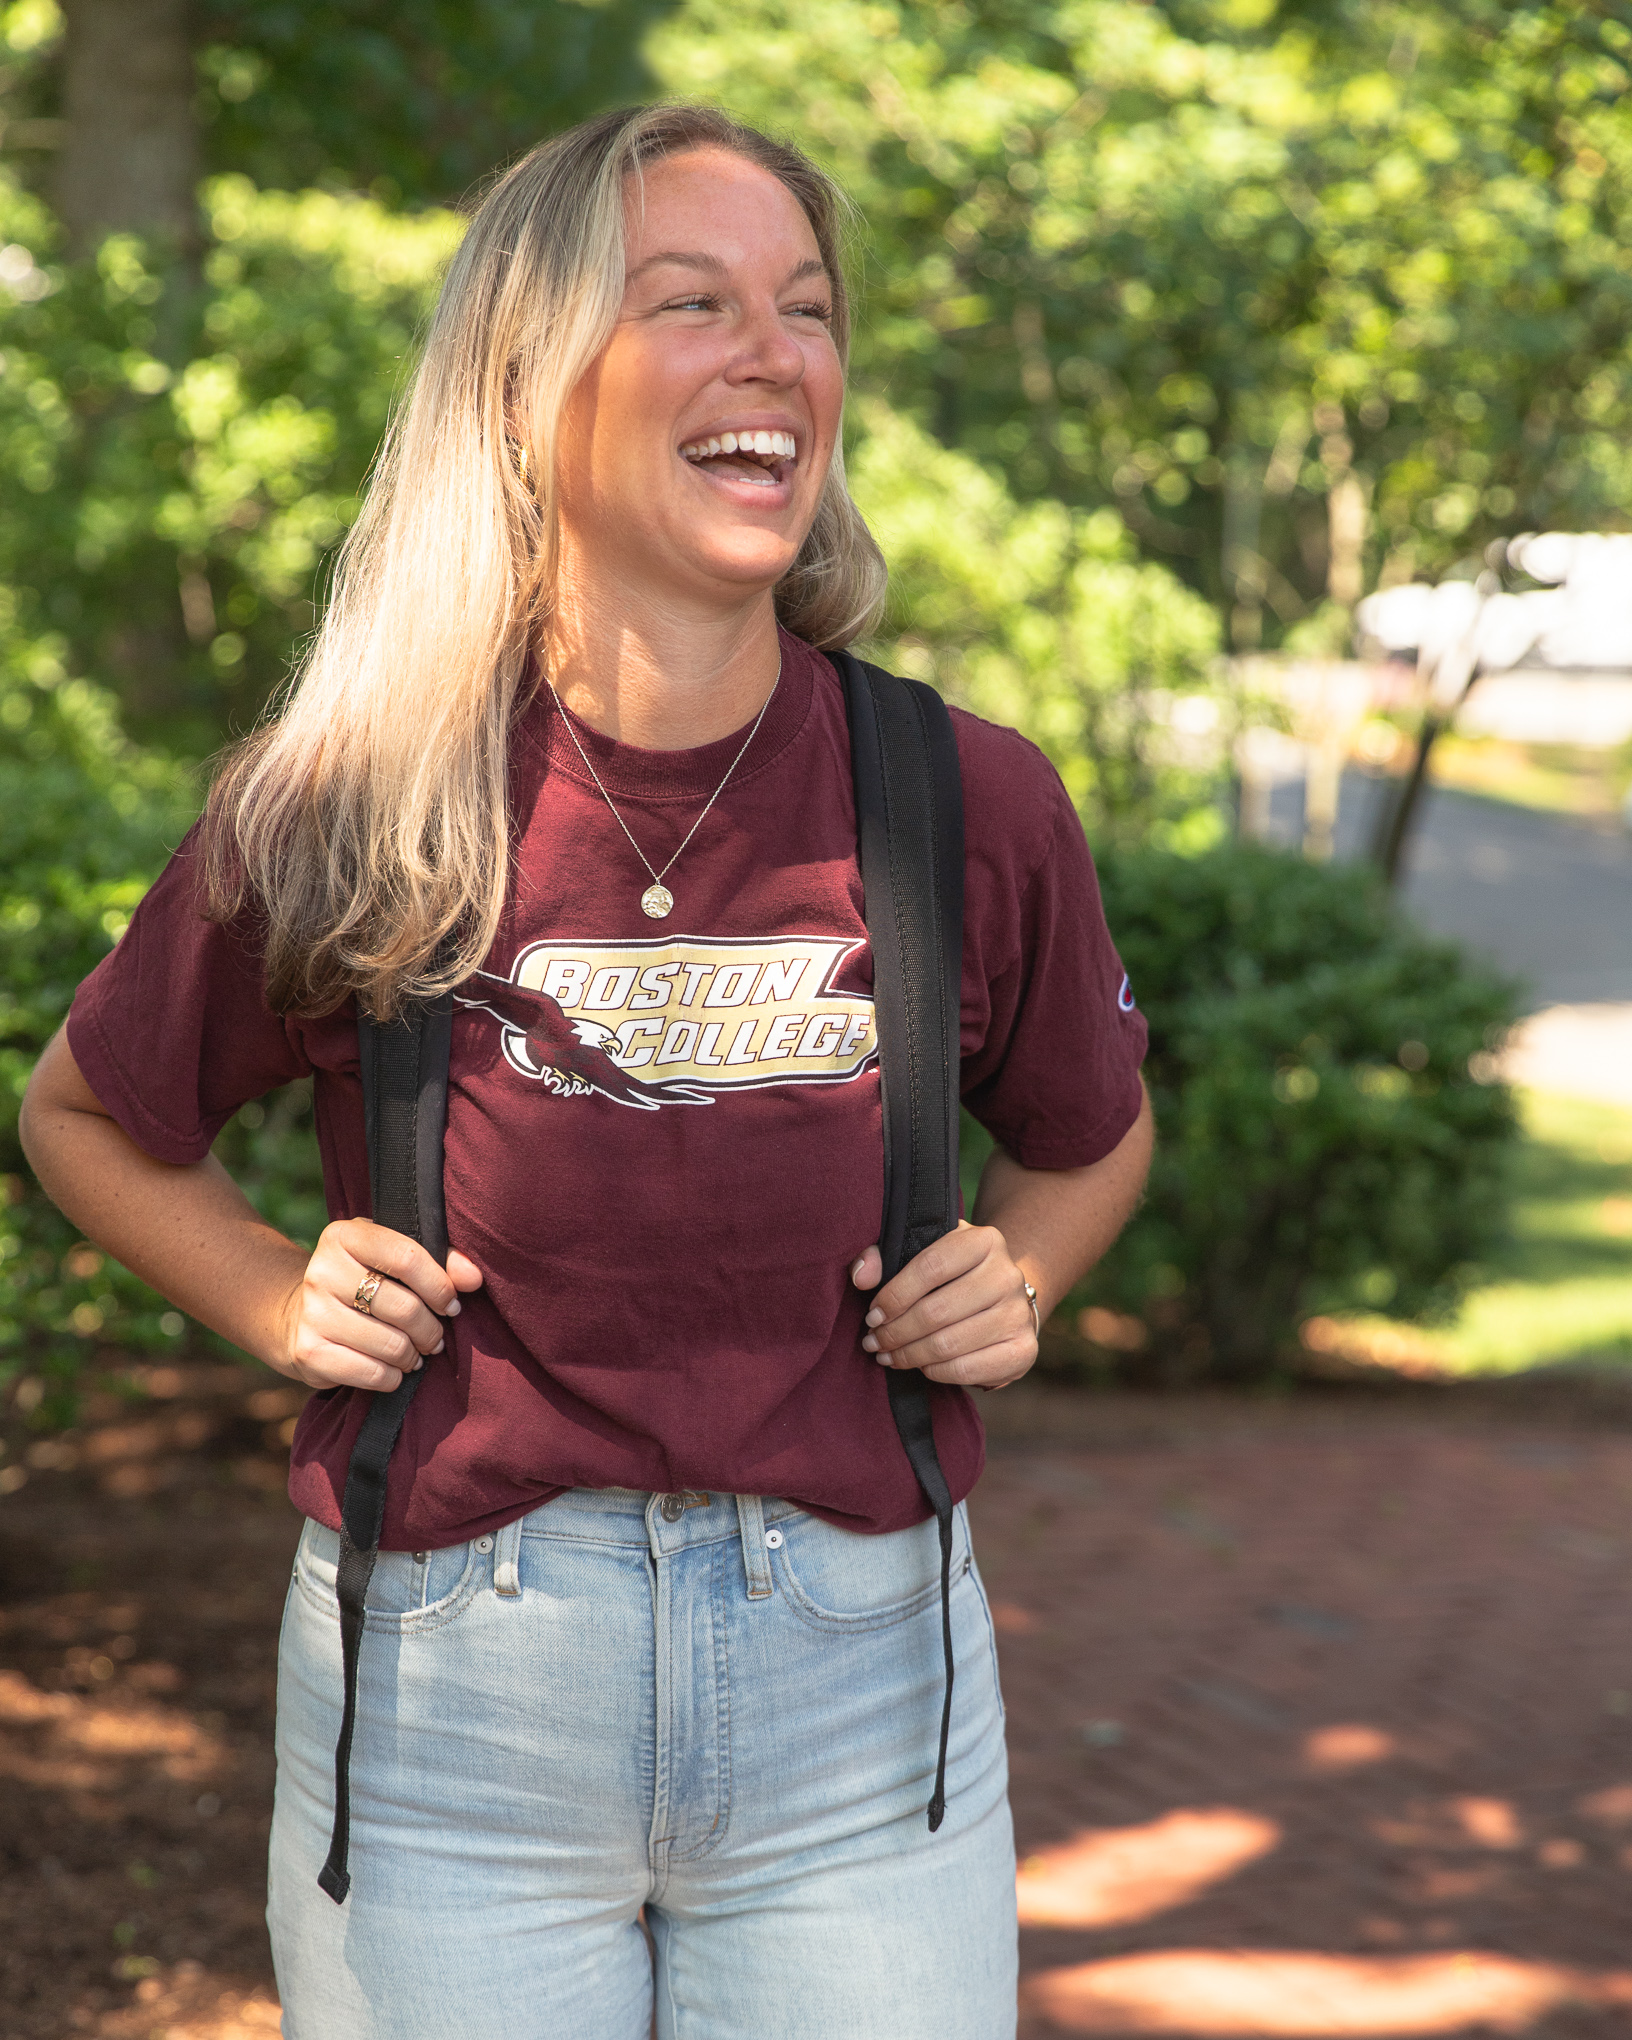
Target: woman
[{"x": 655, "y": 1631}]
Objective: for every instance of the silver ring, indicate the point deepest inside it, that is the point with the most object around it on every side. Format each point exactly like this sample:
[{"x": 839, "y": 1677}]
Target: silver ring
[
  {"x": 367, "y": 1290},
  {"x": 1036, "y": 1313}
]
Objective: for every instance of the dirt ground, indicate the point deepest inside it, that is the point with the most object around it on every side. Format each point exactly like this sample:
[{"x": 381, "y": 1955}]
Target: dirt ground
[{"x": 1320, "y": 1709}]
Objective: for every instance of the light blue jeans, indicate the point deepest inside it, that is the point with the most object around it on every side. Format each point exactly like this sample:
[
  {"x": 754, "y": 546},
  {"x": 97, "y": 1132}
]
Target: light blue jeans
[{"x": 725, "y": 1716}]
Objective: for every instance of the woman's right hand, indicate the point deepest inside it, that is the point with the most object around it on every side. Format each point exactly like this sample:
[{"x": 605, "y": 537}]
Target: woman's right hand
[{"x": 330, "y": 1343}]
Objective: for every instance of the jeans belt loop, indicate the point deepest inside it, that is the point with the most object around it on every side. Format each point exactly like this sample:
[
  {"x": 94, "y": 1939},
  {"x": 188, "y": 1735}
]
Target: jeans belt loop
[
  {"x": 756, "y": 1561},
  {"x": 507, "y": 1560}
]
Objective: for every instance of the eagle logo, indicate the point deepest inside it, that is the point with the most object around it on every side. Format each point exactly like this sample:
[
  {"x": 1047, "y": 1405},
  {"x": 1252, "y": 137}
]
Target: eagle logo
[{"x": 572, "y": 1057}]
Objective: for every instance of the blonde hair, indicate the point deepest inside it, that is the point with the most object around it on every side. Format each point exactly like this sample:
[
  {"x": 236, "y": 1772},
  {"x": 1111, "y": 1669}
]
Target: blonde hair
[{"x": 368, "y": 821}]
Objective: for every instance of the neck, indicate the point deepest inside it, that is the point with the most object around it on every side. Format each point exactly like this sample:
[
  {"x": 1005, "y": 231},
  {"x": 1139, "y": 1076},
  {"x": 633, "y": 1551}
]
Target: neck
[{"x": 662, "y": 677}]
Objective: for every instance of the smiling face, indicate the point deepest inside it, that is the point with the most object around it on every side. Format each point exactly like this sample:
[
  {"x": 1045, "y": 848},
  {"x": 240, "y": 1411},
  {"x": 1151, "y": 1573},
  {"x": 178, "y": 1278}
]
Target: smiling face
[{"x": 694, "y": 451}]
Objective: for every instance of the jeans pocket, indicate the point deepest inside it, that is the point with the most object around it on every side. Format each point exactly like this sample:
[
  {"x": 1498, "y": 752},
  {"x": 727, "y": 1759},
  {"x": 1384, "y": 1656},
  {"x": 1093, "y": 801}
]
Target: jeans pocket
[
  {"x": 979, "y": 1586},
  {"x": 845, "y": 1580},
  {"x": 408, "y": 1591}
]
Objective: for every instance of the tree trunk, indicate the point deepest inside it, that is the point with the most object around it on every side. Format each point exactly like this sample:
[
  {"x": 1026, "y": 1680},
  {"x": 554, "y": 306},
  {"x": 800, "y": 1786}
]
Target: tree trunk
[
  {"x": 130, "y": 157},
  {"x": 1346, "y": 542},
  {"x": 1394, "y": 823}
]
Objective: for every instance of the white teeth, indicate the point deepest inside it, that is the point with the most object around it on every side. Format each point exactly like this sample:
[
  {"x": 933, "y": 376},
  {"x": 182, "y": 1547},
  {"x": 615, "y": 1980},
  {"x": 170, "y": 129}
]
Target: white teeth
[{"x": 778, "y": 445}]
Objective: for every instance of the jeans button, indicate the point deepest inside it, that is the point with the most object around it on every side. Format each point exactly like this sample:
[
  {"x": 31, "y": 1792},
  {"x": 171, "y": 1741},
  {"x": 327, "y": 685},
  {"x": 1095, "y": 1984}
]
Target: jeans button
[{"x": 672, "y": 1508}]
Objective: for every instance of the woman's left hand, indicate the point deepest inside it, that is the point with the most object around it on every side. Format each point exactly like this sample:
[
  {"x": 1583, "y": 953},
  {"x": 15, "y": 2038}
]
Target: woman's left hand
[{"x": 958, "y": 1310}]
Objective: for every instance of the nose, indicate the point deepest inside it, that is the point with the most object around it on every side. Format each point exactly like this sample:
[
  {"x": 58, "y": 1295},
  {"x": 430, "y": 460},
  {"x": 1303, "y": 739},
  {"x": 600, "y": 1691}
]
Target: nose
[{"x": 767, "y": 352}]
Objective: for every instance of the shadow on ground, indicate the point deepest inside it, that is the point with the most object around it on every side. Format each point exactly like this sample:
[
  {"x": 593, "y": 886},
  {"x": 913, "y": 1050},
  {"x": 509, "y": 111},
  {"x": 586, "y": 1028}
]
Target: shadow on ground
[{"x": 1320, "y": 1709}]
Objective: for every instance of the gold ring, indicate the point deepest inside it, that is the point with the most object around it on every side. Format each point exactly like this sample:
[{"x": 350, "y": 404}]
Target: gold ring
[{"x": 367, "y": 1290}]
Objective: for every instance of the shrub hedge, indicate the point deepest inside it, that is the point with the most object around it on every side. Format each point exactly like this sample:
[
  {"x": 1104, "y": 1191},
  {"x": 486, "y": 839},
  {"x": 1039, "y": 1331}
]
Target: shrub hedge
[{"x": 1331, "y": 1136}]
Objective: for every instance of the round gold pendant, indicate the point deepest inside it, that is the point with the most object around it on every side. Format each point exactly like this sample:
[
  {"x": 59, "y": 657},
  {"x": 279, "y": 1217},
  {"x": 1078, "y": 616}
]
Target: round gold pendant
[{"x": 657, "y": 901}]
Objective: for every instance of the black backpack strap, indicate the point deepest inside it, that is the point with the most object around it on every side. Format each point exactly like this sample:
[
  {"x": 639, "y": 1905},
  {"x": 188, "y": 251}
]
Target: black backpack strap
[
  {"x": 909, "y": 827},
  {"x": 405, "y": 1111}
]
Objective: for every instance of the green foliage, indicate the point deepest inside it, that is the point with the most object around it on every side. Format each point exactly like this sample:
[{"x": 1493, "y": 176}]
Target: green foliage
[
  {"x": 1206, "y": 263},
  {"x": 1330, "y": 1137},
  {"x": 86, "y": 821},
  {"x": 180, "y": 486},
  {"x": 416, "y": 99},
  {"x": 1557, "y": 1293},
  {"x": 1042, "y": 617}
]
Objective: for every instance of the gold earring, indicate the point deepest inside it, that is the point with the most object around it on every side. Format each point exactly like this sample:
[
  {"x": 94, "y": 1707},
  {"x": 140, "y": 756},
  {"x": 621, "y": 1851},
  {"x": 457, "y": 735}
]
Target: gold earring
[{"x": 522, "y": 464}]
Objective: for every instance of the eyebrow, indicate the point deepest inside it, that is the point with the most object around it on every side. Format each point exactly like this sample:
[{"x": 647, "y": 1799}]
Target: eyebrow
[{"x": 711, "y": 265}]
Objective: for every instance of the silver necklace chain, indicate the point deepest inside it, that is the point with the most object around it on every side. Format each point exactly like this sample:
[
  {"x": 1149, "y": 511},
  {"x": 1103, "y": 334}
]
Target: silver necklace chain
[{"x": 657, "y": 901}]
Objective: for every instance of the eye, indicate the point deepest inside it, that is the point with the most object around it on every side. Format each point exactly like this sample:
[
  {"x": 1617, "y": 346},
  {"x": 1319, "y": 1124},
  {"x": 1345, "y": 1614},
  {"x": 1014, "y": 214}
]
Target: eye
[
  {"x": 700, "y": 301},
  {"x": 813, "y": 310}
]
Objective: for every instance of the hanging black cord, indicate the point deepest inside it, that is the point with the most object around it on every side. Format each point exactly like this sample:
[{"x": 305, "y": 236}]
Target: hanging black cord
[
  {"x": 405, "y": 1106},
  {"x": 909, "y": 1403}
]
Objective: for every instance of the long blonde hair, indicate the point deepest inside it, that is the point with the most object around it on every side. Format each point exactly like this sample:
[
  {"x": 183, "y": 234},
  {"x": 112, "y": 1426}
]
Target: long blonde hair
[{"x": 367, "y": 822}]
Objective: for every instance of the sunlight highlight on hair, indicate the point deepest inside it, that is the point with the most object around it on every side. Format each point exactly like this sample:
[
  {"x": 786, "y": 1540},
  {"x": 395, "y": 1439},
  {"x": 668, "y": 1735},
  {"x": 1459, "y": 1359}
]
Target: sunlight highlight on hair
[{"x": 368, "y": 818}]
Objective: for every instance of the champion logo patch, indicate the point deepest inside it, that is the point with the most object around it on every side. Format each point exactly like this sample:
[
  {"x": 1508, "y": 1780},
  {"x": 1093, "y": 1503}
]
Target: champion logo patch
[{"x": 676, "y": 1021}]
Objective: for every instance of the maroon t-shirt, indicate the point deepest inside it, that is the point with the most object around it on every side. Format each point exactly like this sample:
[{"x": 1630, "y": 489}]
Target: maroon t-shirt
[{"x": 664, "y": 1145}]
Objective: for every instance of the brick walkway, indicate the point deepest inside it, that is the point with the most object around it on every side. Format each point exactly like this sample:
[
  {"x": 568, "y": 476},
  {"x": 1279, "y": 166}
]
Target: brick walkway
[{"x": 1321, "y": 1716}]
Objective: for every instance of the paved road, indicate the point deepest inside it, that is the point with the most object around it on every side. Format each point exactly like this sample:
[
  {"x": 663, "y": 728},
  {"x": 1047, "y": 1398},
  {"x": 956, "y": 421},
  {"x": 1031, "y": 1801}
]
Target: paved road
[{"x": 1546, "y": 897}]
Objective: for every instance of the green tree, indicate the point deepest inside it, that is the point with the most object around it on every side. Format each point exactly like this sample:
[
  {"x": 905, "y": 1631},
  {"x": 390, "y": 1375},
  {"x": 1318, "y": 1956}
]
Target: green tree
[
  {"x": 116, "y": 108},
  {"x": 167, "y": 521},
  {"x": 1045, "y": 618},
  {"x": 1306, "y": 291},
  {"x": 415, "y": 99}
]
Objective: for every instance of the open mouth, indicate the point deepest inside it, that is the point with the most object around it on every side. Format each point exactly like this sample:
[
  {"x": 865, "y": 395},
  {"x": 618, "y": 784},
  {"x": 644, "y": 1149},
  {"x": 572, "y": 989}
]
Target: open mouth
[{"x": 759, "y": 458}]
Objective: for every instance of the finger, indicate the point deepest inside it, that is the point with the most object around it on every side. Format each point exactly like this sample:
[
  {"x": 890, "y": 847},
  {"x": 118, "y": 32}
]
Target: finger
[
  {"x": 869, "y": 1270},
  {"x": 463, "y": 1273},
  {"x": 403, "y": 1259},
  {"x": 337, "y": 1324},
  {"x": 394, "y": 1306},
  {"x": 956, "y": 1342},
  {"x": 941, "y": 1262},
  {"x": 992, "y": 1367},
  {"x": 985, "y": 1287},
  {"x": 326, "y": 1365},
  {"x": 1005, "y": 1376}
]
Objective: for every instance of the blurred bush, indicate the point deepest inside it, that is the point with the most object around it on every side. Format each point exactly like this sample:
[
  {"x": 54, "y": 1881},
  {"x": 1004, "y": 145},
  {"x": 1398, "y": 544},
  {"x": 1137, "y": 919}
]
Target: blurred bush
[
  {"x": 86, "y": 821},
  {"x": 1331, "y": 1136},
  {"x": 1045, "y": 618},
  {"x": 182, "y": 460}
]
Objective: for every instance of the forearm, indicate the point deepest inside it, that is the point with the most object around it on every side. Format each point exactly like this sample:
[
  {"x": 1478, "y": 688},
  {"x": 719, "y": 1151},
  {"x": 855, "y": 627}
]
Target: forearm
[
  {"x": 188, "y": 1230},
  {"x": 1057, "y": 1223}
]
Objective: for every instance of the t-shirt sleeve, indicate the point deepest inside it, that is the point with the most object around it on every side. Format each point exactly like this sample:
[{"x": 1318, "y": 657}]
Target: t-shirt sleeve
[
  {"x": 172, "y": 1030},
  {"x": 1053, "y": 1041}
]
